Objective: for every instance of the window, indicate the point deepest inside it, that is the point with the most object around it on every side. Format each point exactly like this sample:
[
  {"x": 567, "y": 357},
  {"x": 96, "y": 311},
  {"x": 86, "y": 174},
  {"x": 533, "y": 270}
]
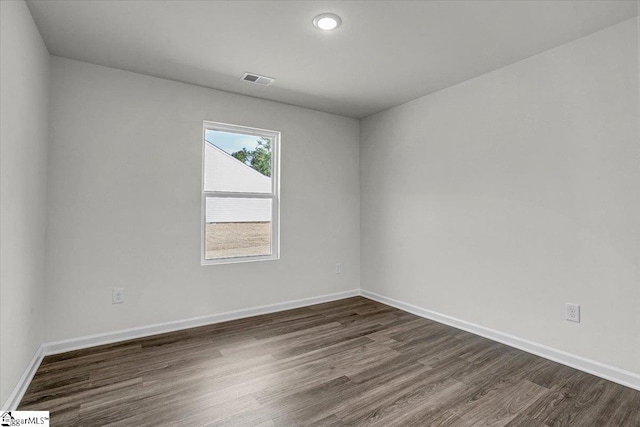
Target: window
[{"x": 240, "y": 204}]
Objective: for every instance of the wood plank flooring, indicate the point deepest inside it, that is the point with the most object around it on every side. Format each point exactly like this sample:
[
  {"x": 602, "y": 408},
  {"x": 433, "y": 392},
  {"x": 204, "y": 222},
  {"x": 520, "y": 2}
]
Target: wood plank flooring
[{"x": 345, "y": 363}]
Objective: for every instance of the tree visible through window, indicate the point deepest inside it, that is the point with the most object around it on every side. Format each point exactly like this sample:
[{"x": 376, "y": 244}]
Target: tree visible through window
[
  {"x": 259, "y": 158},
  {"x": 240, "y": 198}
]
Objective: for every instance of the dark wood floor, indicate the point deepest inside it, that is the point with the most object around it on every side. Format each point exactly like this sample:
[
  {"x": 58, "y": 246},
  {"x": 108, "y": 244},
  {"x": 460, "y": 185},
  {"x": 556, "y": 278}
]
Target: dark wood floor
[{"x": 349, "y": 362}]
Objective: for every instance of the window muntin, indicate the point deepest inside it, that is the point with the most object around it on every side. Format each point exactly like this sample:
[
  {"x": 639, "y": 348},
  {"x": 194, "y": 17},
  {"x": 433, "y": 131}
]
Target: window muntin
[{"x": 240, "y": 194}]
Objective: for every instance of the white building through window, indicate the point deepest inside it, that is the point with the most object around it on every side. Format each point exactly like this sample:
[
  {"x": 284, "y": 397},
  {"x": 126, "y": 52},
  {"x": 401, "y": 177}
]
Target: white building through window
[{"x": 240, "y": 201}]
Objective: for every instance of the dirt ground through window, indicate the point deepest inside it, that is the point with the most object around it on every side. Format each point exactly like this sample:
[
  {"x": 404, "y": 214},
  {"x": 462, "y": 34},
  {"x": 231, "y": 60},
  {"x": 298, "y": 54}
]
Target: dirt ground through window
[{"x": 235, "y": 239}]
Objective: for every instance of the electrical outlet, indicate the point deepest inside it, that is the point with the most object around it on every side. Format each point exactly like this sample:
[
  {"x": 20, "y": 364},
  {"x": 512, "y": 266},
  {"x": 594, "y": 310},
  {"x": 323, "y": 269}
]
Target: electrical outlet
[
  {"x": 572, "y": 313},
  {"x": 117, "y": 296},
  {"x": 338, "y": 268}
]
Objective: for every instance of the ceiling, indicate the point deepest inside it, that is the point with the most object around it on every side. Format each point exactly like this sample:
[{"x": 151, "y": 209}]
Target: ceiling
[{"x": 384, "y": 54}]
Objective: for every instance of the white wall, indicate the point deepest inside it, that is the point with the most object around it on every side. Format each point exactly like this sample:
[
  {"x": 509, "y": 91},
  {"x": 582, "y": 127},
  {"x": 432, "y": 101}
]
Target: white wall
[
  {"x": 124, "y": 205},
  {"x": 24, "y": 95},
  {"x": 498, "y": 200}
]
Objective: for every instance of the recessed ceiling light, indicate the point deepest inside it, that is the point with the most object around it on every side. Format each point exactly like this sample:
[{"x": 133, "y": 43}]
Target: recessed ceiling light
[{"x": 327, "y": 21}]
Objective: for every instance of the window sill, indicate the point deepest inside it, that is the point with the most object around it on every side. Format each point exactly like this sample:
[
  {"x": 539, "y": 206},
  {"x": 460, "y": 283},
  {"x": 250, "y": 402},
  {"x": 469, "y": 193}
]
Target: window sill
[{"x": 206, "y": 262}]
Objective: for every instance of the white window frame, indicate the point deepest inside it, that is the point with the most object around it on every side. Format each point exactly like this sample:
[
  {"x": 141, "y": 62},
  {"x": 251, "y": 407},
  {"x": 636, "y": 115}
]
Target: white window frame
[{"x": 274, "y": 195}]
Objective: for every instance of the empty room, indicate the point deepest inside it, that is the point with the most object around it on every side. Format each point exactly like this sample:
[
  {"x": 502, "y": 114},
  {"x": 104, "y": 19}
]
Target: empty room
[{"x": 319, "y": 213}]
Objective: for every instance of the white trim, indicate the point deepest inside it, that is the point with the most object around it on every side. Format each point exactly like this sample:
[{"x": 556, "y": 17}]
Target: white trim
[
  {"x": 602, "y": 370},
  {"x": 23, "y": 383},
  {"x": 161, "y": 328}
]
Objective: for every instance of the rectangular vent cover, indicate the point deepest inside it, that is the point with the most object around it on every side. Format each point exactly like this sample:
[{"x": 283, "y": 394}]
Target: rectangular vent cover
[{"x": 257, "y": 79}]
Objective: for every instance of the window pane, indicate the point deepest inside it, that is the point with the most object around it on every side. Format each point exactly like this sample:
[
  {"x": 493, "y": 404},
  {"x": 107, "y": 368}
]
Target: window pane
[
  {"x": 237, "y": 227},
  {"x": 237, "y": 162}
]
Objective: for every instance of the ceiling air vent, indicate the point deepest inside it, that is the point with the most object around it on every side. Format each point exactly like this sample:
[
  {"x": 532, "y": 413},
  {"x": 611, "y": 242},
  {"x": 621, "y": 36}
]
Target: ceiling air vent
[{"x": 257, "y": 79}]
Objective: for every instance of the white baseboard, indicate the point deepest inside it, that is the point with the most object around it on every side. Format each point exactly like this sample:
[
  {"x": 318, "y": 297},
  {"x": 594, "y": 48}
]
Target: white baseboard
[
  {"x": 16, "y": 395},
  {"x": 608, "y": 372},
  {"x": 159, "y": 328}
]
